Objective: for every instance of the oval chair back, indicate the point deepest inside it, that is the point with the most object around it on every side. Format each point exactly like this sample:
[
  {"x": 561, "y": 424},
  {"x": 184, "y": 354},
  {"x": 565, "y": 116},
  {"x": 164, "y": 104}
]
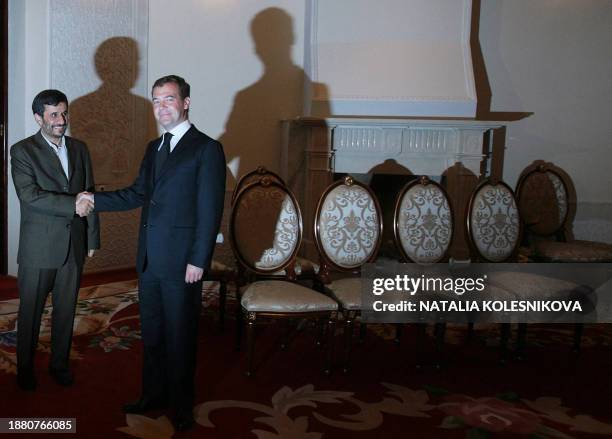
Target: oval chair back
[
  {"x": 423, "y": 222},
  {"x": 265, "y": 227},
  {"x": 545, "y": 194},
  {"x": 348, "y": 225},
  {"x": 493, "y": 222}
]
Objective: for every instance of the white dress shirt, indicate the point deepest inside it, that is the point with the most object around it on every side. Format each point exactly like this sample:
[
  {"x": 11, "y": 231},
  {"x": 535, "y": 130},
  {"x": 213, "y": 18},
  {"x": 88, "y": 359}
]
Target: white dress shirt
[
  {"x": 177, "y": 132},
  {"x": 61, "y": 152}
]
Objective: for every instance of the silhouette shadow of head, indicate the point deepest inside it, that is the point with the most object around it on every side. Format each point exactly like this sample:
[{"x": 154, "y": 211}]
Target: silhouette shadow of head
[
  {"x": 252, "y": 135},
  {"x": 114, "y": 122}
]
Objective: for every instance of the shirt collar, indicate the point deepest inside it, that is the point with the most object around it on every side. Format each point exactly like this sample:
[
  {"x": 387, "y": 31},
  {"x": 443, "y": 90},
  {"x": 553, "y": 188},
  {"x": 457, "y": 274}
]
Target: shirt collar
[
  {"x": 53, "y": 145},
  {"x": 179, "y": 131}
]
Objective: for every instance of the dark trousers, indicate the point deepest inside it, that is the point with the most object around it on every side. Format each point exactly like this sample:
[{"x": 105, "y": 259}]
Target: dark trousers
[
  {"x": 169, "y": 312},
  {"x": 34, "y": 286}
]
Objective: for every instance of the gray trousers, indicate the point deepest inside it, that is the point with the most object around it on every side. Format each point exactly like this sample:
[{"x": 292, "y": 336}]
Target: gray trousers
[{"x": 34, "y": 286}]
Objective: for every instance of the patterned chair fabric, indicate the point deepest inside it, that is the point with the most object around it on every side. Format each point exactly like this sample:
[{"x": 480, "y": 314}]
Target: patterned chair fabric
[
  {"x": 494, "y": 222},
  {"x": 348, "y": 225},
  {"x": 276, "y": 296},
  {"x": 574, "y": 251},
  {"x": 266, "y": 227},
  {"x": 347, "y": 292},
  {"x": 424, "y": 223}
]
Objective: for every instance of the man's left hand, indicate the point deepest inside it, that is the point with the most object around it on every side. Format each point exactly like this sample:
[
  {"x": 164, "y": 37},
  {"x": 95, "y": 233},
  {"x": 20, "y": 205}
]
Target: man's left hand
[{"x": 193, "y": 274}]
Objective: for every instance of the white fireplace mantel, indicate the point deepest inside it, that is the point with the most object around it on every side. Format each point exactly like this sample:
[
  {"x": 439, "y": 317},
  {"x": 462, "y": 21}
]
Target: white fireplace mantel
[{"x": 423, "y": 146}]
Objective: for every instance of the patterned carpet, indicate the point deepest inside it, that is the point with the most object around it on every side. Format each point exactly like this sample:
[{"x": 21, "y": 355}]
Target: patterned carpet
[{"x": 552, "y": 394}]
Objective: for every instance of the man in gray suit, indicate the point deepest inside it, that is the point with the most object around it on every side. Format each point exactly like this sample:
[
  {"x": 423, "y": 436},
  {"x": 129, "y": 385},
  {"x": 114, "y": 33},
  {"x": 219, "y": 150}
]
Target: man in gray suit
[{"x": 49, "y": 169}]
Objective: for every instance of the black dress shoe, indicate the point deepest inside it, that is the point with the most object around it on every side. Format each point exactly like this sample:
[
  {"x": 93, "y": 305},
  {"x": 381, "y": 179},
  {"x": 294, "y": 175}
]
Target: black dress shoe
[
  {"x": 183, "y": 422},
  {"x": 145, "y": 404},
  {"x": 62, "y": 377},
  {"x": 26, "y": 381}
]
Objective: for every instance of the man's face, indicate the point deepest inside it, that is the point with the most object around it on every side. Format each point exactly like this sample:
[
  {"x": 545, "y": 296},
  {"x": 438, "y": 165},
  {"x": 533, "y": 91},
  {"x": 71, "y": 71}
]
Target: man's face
[
  {"x": 54, "y": 121},
  {"x": 170, "y": 110}
]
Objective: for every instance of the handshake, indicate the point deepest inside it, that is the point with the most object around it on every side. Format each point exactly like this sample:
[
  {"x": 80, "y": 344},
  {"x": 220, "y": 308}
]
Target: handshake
[{"x": 84, "y": 204}]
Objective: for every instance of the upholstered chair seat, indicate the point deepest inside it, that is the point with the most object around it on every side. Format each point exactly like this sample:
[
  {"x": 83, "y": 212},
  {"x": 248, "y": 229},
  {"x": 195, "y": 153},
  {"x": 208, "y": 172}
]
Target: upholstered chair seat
[
  {"x": 573, "y": 251},
  {"x": 531, "y": 285},
  {"x": 284, "y": 297},
  {"x": 347, "y": 292}
]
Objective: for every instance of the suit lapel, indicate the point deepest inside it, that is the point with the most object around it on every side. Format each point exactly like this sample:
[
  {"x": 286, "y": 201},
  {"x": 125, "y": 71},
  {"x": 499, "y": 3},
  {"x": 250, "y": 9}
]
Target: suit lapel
[
  {"x": 179, "y": 150},
  {"x": 49, "y": 159}
]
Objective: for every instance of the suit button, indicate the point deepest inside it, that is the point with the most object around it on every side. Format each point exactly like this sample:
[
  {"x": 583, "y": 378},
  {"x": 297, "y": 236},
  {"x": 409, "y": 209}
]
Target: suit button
[
  {"x": 68, "y": 226},
  {"x": 65, "y": 188},
  {"x": 145, "y": 225}
]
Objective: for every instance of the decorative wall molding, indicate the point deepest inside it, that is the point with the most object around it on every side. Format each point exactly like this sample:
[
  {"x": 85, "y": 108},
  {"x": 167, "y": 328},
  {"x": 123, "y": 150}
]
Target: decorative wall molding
[{"x": 400, "y": 58}]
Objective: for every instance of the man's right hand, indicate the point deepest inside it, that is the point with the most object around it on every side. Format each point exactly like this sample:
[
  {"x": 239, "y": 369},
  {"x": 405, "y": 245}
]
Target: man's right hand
[{"x": 84, "y": 204}]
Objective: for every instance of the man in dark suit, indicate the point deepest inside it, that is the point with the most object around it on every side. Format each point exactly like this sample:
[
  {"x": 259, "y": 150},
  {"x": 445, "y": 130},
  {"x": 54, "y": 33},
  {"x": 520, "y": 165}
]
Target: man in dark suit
[
  {"x": 48, "y": 170},
  {"x": 181, "y": 188}
]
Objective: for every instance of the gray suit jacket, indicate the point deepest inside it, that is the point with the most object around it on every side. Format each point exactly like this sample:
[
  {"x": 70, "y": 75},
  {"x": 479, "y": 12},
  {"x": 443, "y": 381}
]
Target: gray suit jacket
[{"x": 47, "y": 200}]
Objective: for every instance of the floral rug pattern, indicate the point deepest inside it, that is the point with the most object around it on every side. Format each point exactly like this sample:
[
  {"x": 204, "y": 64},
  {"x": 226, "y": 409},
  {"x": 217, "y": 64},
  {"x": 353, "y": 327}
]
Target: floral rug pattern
[
  {"x": 481, "y": 417},
  {"x": 100, "y": 324}
]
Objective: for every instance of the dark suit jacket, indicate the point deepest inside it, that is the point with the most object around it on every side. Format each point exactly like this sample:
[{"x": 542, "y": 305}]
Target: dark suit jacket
[
  {"x": 46, "y": 198},
  {"x": 181, "y": 208}
]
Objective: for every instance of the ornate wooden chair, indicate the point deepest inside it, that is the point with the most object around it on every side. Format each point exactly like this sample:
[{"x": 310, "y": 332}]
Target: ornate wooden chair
[
  {"x": 348, "y": 232},
  {"x": 305, "y": 269},
  {"x": 494, "y": 228},
  {"x": 266, "y": 233},
  {"x": 423, "y": 229},
  {"x": 547, "y": 201}
]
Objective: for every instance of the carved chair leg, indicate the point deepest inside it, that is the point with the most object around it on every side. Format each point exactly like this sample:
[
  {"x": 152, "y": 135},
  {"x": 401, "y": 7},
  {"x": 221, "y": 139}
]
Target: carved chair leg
[
  {"x": 578, "y": 330},
  {"x": 250, "y": 343},
  {"x": 222, "y": 301},
  {"x": 503, "y": 342},
  {"x": 398, "y": 333},
  {"x": 362, "y": 332},
  {"x": 421, "y": 329},
  {"x": 321, "y": 326},
  {"x": 470, "y": 332},
  {"x": 521, "y": 341},
  {"x": 285, "y": 333},
  {"x": 348, "y": 339},
  {"x": 439, "y": 332},
  {"x": 331, "y": 329},
  {"x": 239, "y": 325}
]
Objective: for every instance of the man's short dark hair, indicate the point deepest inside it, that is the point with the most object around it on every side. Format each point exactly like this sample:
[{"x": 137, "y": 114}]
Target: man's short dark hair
[
  {"x": 47, "y": 97},
  {"x": 183, "y": 86}
]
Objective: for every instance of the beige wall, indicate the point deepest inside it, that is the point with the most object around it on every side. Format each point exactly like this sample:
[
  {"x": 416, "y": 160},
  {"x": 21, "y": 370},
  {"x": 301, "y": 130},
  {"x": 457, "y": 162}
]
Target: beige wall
[
  {"x": 234, "y": 98},
  {"x": 550, "y": 57}
]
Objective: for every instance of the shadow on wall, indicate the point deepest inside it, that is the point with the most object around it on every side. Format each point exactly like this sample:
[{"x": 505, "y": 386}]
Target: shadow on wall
[
  {"x": 252, "y": 133},
  {"x": 115, "y": 123}
]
